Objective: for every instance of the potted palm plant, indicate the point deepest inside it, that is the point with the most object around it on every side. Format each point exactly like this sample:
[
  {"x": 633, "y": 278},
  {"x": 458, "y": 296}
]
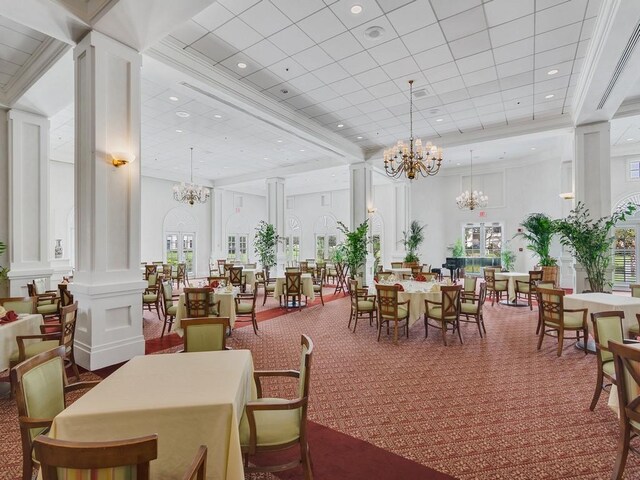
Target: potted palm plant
[
  {"x": 590, "y": 240},
  {"x": 265, "y": 243},
  {"x": 538, "y": 230},
  {"x": 508, "y": 258},
  {"x": 411, "y": 240},
  {"x": 354, "y": 247}
]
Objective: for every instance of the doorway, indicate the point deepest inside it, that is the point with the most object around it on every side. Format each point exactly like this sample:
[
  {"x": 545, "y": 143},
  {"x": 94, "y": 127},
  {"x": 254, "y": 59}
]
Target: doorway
[{"x": 180, "y": 248}]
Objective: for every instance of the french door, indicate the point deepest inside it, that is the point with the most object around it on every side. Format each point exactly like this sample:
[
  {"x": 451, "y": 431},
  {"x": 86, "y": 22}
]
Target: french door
[
  {"x": 180, "y": 248},
  {"x": 325, "y": 245},
  {"x": 625, "y": 256}
]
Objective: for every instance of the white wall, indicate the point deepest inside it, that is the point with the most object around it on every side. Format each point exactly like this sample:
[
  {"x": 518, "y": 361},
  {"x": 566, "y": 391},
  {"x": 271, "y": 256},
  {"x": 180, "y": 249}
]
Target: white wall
[
  {"x": 4, "y": 196},
  {"x": 621, "y": 185},
  {"x": 527, "y": 187}
]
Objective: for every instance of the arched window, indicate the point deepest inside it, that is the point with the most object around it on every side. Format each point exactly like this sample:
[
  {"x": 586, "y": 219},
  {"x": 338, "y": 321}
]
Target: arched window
[
  {"x": 180, "y": 231},
  {"x": 625, "y": 255},
  {"x": 326, "y": 236},
  {"x": 238, "y": 239},
  {"x": 293, "y": 233}
]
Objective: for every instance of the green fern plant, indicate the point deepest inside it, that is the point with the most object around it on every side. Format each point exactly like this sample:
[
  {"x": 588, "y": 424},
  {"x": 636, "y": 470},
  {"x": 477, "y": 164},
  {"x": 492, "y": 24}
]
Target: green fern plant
[
  {"x": 538, "y": 231},
  {"x": 264, "y": 243},
  {"x": 354, "y": 247},
  {"x": 412, "y": 239}
]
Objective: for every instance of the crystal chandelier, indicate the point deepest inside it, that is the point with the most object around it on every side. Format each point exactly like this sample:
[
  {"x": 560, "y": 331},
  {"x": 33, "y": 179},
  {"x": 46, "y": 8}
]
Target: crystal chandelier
[
  {"x": 412, "y": 158},
  {"x": 472, "y": 199},
  {"x": 190, "y": 192}
]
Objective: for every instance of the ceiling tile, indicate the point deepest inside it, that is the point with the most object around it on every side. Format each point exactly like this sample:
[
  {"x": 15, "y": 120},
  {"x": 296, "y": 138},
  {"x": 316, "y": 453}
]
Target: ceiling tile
[
  {"x": 587, "y": 28},
  {"x": 470, "y": 45},
  {"x": 513, "y": 51},
  {"x": 389, "y": 51},
  {"x": 446, "y": 8},
  {"x": 383, "y": 89},
  {"x": 558, "y": 37},
  {"x": 370, "y": 106},
  {"x": 512, "y": 31},
  {"x": 480, "y": 76},
  {"x": 517, "y": 80},
  {"x": 265, "y": 18},
  {"x": 213, "y": 47},
  {"x": 484, "y": 88},
  {"x": 331, "y": 73},
  {"x": 515, "y": 67},
  {"x": 430, "y": 59},
  {"x": 401, "y": 68},
  {"x": 359, "y": 97},
  {"x": 346, "y": 86},
  {"x": 372, "y": 77},
  {"x": 306, "y": 82},
  {"x": 464, "y": 24},
  {"x": 265, "y": 53},
  {"x": 322, "y": 25},
  {"x": 238, "y": 6},
  {"x": 341, "y": 46},
  {"x": 448, "y": 85},
  {"x": 390, "y": 5},
  {"x": 288, "y": 69},
  {"x": 232, "y": 64},
  {"x": 264, "y": 79},
  {"x": 487, "y": 99},
  {"x": 358, "y": 63},
  {"x": 475, "y": 62},
  {"x": 342, "y": 10},
  {"x": 424, "y": 38},
  {"x": 213, "y": 16},
  {"x": 297, "y": 10},
  {"x": 448, "y": 70},
  {"x": 413, "y": 16},
  {"x": 594, "y": 8},
  {"x": 322, "y": 94},
  {"x": 555, "y": 56},
  {"x": 560, "y": 15},
  {"x": 291, "y": 40},
  {"x": 454, "y": 96},
  {"x": 502, "y": 11},
  {"x": 237, "y": 33},
  {"x": 313, "y": 58},
  {"x": 517, "y": 93},
  {"x": 189, "y": 32}
]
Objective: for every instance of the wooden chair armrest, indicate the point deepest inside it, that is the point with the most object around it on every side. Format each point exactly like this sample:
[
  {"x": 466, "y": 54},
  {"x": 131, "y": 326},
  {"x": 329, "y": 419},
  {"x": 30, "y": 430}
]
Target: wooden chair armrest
[
  {"x": 30, "y": 422},
  {"x": 81, "y": 385},
  {"x": 406, "y": 302},
  {"x": 272, "y": 373},
  {"x": 252, "y": 407},
  {"x": 44, "y": 336},
  {"x": 52, "y": 327},
  {"x": 426, "y": 300}
]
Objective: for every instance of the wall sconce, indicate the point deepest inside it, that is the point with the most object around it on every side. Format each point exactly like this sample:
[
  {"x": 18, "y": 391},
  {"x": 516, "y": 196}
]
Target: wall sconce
[
  {"x": 567, "y": 196},
  {"x": 371, "y": 210},
  {"x": 119, "y": 159}
]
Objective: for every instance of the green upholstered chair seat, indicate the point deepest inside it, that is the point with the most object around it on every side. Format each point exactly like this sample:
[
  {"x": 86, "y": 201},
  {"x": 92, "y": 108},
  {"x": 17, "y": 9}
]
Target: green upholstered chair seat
[
  {"x": 168, "y": 303},
  {"x": 47, "y": 308},
  {"x": 172, "y": 310},
  {"x": 468, "y": 307},
  {"x": 274, "y": 427},
  {"x": 35, "y": 348},
  {"x": 402, "y": 313},
  {"x": 150, "y": 298},
  {"x": 366, "y": 306},
  {"x": 270, "y": 287},
  {"x": 317, "y": 288},
  {"x": 522, "y": 287},
  {"x": 609, "y": 368},
  {"x": 571, "y": 320},
  {"x": 244, "y": 307},
  {"x": 436, "y": 312},
  {"x": 500, "y": 285},
  {"x": 19, "y": 306},
  {"x": 634, "y": 329}
]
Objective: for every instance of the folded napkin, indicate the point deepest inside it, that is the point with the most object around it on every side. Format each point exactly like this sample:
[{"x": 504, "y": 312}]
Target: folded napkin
[
  {"x": 214, "y": 284},
  {"x": 8, "y": 316},
  {"x": 420, "y": 278},
  {"x": 400, "y": 287}
]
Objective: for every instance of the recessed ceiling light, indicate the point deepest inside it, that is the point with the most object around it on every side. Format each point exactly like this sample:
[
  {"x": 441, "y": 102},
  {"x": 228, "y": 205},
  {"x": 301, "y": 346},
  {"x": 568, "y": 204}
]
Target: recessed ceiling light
[
  {"x": 242, "y": 65},
  {"x": 217, "y": 116},
  {"x": 458, "y": 163},
  {"x": 630, "y": 139},
  {"x": 340, "y": 125},
  {"x": 439, "y": 120},
  {"x": 356, "y": 9},
  {"x": 173, "y": 99},
  {"x": 302, "y": 149},
  {"x": 549, "y": 96},
  {"x": 533, "y": 148},
  {"x": 178, "y": 131},
  {"x": 183, "y": 114},
  {"x": 359, "y": 138},
  {"x": 279, "y": 141},
  {"x": 552, "y": 72},
  {"x": 266, "y": 158}
]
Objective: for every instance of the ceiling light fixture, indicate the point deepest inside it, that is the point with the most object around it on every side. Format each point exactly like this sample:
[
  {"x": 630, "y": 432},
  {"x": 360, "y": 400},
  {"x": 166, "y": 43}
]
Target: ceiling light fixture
[
  {"x": 302, "y": 149},
  {"x": 471, "y": 199},
  {"x": 359, "y": 138},
  {"x": 630, "y": 139},
  {"x": 533, "y": 148},
  {"x": 242, "y": 65},
  {"x": 551, "y": 95},
  {"x": 279, "y": 141},
  {"x": 356, "y": 9},
  {"x": 183, "y": 114},
  {"x": 217, "y": 116},
  {"x": 438, "y": 119},
  {"x": 190, "y": 192},
  {"x": 173, "y": 99},
  {"x": 340, "y": 125},
  {"x": 552, "y": 72},
  {"x": 178, "y": 131},
  {"x": 374, "y": 33},
  {"x": 424, "y": 160}
]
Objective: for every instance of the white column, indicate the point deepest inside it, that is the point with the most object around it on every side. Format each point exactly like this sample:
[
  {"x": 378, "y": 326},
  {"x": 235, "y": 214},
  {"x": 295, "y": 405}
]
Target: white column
[
  {"x": 275, "y": 216},
  {"x": 361, "y": 200},
  {"x": 108, "y": 282},
  {"x": 592, "y": 178},
  {"x": 566, "y": 262},
  {"x": 4, "y": 197},
  {"x": 28, "y": 200},
  {"x": 218, "y": 244},
  {"x": 402, "y": 200}
]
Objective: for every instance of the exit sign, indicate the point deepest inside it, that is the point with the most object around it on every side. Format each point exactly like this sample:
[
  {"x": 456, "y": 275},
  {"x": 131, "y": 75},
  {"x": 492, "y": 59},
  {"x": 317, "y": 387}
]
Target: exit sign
[{"x": 483, "y": 214}]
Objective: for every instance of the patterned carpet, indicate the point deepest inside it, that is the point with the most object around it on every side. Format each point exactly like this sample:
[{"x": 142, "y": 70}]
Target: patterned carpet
[{"x": 493, "y": 408}]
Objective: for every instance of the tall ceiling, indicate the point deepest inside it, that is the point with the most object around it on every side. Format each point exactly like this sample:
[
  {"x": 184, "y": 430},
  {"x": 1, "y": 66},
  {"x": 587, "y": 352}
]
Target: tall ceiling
[{"x": 17, "y": 45}]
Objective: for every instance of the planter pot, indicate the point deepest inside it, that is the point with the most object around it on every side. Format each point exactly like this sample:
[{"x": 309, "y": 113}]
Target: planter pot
[{"x": 550, "y": 274}]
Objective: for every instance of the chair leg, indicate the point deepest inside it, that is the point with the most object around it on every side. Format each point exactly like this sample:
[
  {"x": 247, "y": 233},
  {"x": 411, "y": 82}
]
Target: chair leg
[
  {"x": 560, "y": 342},
  {"x": 355, "y": 324},
  {"x": 457, "y": 326},
  {"x": 598, "y": 390},
  {"x": 586, "y": 340},
  {"x": 379, "y": 328},
  {"x": 541, "y": 336},
  {"x": 254, "y": 322},
  {"x": 478, "y": 323},
  {"x": 74, "y": 366},
  {"x": 321, "y": 297},
  {"x": 623, "y": 451},
  {"x": 306, "y": 463},
  {"x": 444, "y": 332},
  {"x": 395, "y": 332},
  {"x": 426, "y": 327}
]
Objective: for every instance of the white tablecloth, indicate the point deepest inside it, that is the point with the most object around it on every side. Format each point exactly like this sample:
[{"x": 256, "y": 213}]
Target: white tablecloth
[
  {"x": 24, "y": 325},
  {"x": 227, "y": 309},
  {"x": 416, "y": 298},
  {"x": 307, "y": 286},
  {"x": 602, "y": 302},
  {"x": 511, "y": 278},
  {"x": 399, "y": 272},
  {"x": 188, "y": 399},
  {"x": 250, "y": 277}
]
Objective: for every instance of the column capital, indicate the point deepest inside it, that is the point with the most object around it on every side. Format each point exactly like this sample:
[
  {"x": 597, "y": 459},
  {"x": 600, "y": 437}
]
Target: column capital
[
  {"x": 360, "y": 166},
  {"x": 100, "y": 40},
  {"x": 277, "y": 180}
]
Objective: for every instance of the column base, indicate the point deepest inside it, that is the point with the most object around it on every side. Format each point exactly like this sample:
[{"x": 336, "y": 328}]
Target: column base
[
  {"x": 109, "y": 328},
  {"x": 18, "y": 280}
]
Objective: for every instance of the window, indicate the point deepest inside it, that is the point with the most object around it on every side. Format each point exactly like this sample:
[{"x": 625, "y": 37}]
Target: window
[
  {"x": 243, "y": 244},
  {"x": 377, "y": 250},
  {"x": 238, "y": 247},
  {"x": 180, "y": 248},
  {"x": 292, "y": 248},
  {"x": 231, "y": 247},
  {"x": 634, "y": 169},
  {"x": 482, "y": 240},
  {"x": 320, "y": 243}
]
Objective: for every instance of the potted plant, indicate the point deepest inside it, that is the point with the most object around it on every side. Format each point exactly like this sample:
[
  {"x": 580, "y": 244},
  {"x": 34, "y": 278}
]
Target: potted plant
[
  {"x": 354, "y": 247},
  {"x": 265, "y": 242},
  {"x": 508, "y": 258},
  {"x": 458, "y": 249},
  {"x": 411, "y": 240},
  {"x": 538, "y": 231},
  {"x": 590, "y": 241}
]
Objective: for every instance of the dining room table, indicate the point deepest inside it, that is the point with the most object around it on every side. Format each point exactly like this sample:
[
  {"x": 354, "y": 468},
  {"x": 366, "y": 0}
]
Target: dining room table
[
  {"x": 400, "y": 272},
  {"x": 602, "y": 302},
  {"x": 512, "y": 278},
  {"x": 227, "y": 300},
  {"x": 306, "y": 283},
  {"x": 25, "y": 324},
  {"x": 416, "y": 293},
  {"x": 187, "y": 399}
]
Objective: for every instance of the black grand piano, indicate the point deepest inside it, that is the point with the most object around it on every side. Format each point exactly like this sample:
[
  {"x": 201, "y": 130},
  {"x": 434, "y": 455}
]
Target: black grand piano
[{"x": 454, "y": 264}]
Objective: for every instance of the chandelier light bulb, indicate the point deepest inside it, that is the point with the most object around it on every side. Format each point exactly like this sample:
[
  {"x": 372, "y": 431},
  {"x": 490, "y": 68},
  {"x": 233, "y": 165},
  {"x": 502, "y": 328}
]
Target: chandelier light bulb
[
  {"x": 190, "y": 192},
  {"x": 472, "y": 199}
]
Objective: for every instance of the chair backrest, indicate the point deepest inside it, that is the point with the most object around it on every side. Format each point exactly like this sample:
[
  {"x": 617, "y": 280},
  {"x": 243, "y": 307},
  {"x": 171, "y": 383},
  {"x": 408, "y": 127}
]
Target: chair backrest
[
  {"x": 182, "y": 270},
  {"x": 293, "y": 283},
  {"x": 68, "y": 318},
  {"x": 39, "y": 387},
  {"x": 197, "y": 301},
  {"x": 152, "y": 280},
  {"x": 227, "y": 268},
  {"x": 469, "y": 285},
  {"x": 535, "y": 276},
  {"x": 627, "y": 365},
  {"x": 167, "y": 293},
  {"x": 206, "y": 334},
  {"x": 167, "y": 270},
  {"x": 607, "y": 326},
  {"x": 542, "y": 284},
  {"x": 39, "y": 286},
  {"x": 291, "y": 269},
  {"x": 426, "y": 268},
  {"x": 450, "y": 300},
  {"x": 635, "y": 290},
  {"x": 198, "y": 468},
  {"x": 66, "y": 297},
  {"x": 305, "y": 368},
  {"x": 551, "y": 304},
  {"x": 61, "y": 459},
  {"x": 353, "y": 291},
  {"x": 387, "y": 300},
  {"x": 322, "y": 276},
  {"x": 416, "y": 270},
  {"x": 19, "y": 304},
  {"x": 384, "y": 275},
  {"x": 490, "y": 277},
  {"x": 396, "y": 264},
  {"x": 221, "y": 262},
  {"x": 235, "y": 276},
  {"x": 150, "y": 270},
  {"x": 304, "y": 266},
  {"x": 429, "y": 277},
  {"x": 482, "y": 294}
]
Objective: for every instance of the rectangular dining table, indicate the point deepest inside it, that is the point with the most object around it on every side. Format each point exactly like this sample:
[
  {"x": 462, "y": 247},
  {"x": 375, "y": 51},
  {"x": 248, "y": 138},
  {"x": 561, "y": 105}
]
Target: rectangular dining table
[
  {"x": 602, "y": 302},
  {"x": 187, "y": 399}
]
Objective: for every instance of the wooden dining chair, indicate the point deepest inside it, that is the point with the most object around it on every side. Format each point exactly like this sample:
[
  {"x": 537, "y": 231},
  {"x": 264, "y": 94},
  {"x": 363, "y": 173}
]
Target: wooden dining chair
[
  {"x": 236, "y": 279},
  {"x": 634, "y": 329},
  {"x": 527, "y": 289},
  {"x": 170, "y": 304},
  {"x": 66, "y": 297},
  {"x": 198, "y": 302},
  {"x": 635, "y": 290},
  {"x": 207, "y": 334},
  {"x": 471, "y": 308},
  {"x": 167, "y": 271},
  {"x": 62, "y": 459},
  {"x": 444, "y": 313},
  {"x": 606, "y": 326},
  {"x": 541, "y": 284},
  {"x": 556, "y": 319},
  {"x": 362, "y": 304},
  {"x": 495, "y": 288},
  {"x": 391, "y": 310},
  {"x": 198, "y": 468},
  {"x": 341, "y": 279},
  {"x": 150, "y": 270},
  {"x": 47, "y": 301},
  {"x": 19, "y": 304},
  {"x": 293, "y": 289},
  {"x": 318, "y": 285},
  {"x": 245, "y": 305},
  {"x": 41, "y": 385},
  {"x": 396, "y": 264},
  {"x": 269, "y": 286},
  {"x": 151, "y": 295},
  {"x": 273, "y": 424}
]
